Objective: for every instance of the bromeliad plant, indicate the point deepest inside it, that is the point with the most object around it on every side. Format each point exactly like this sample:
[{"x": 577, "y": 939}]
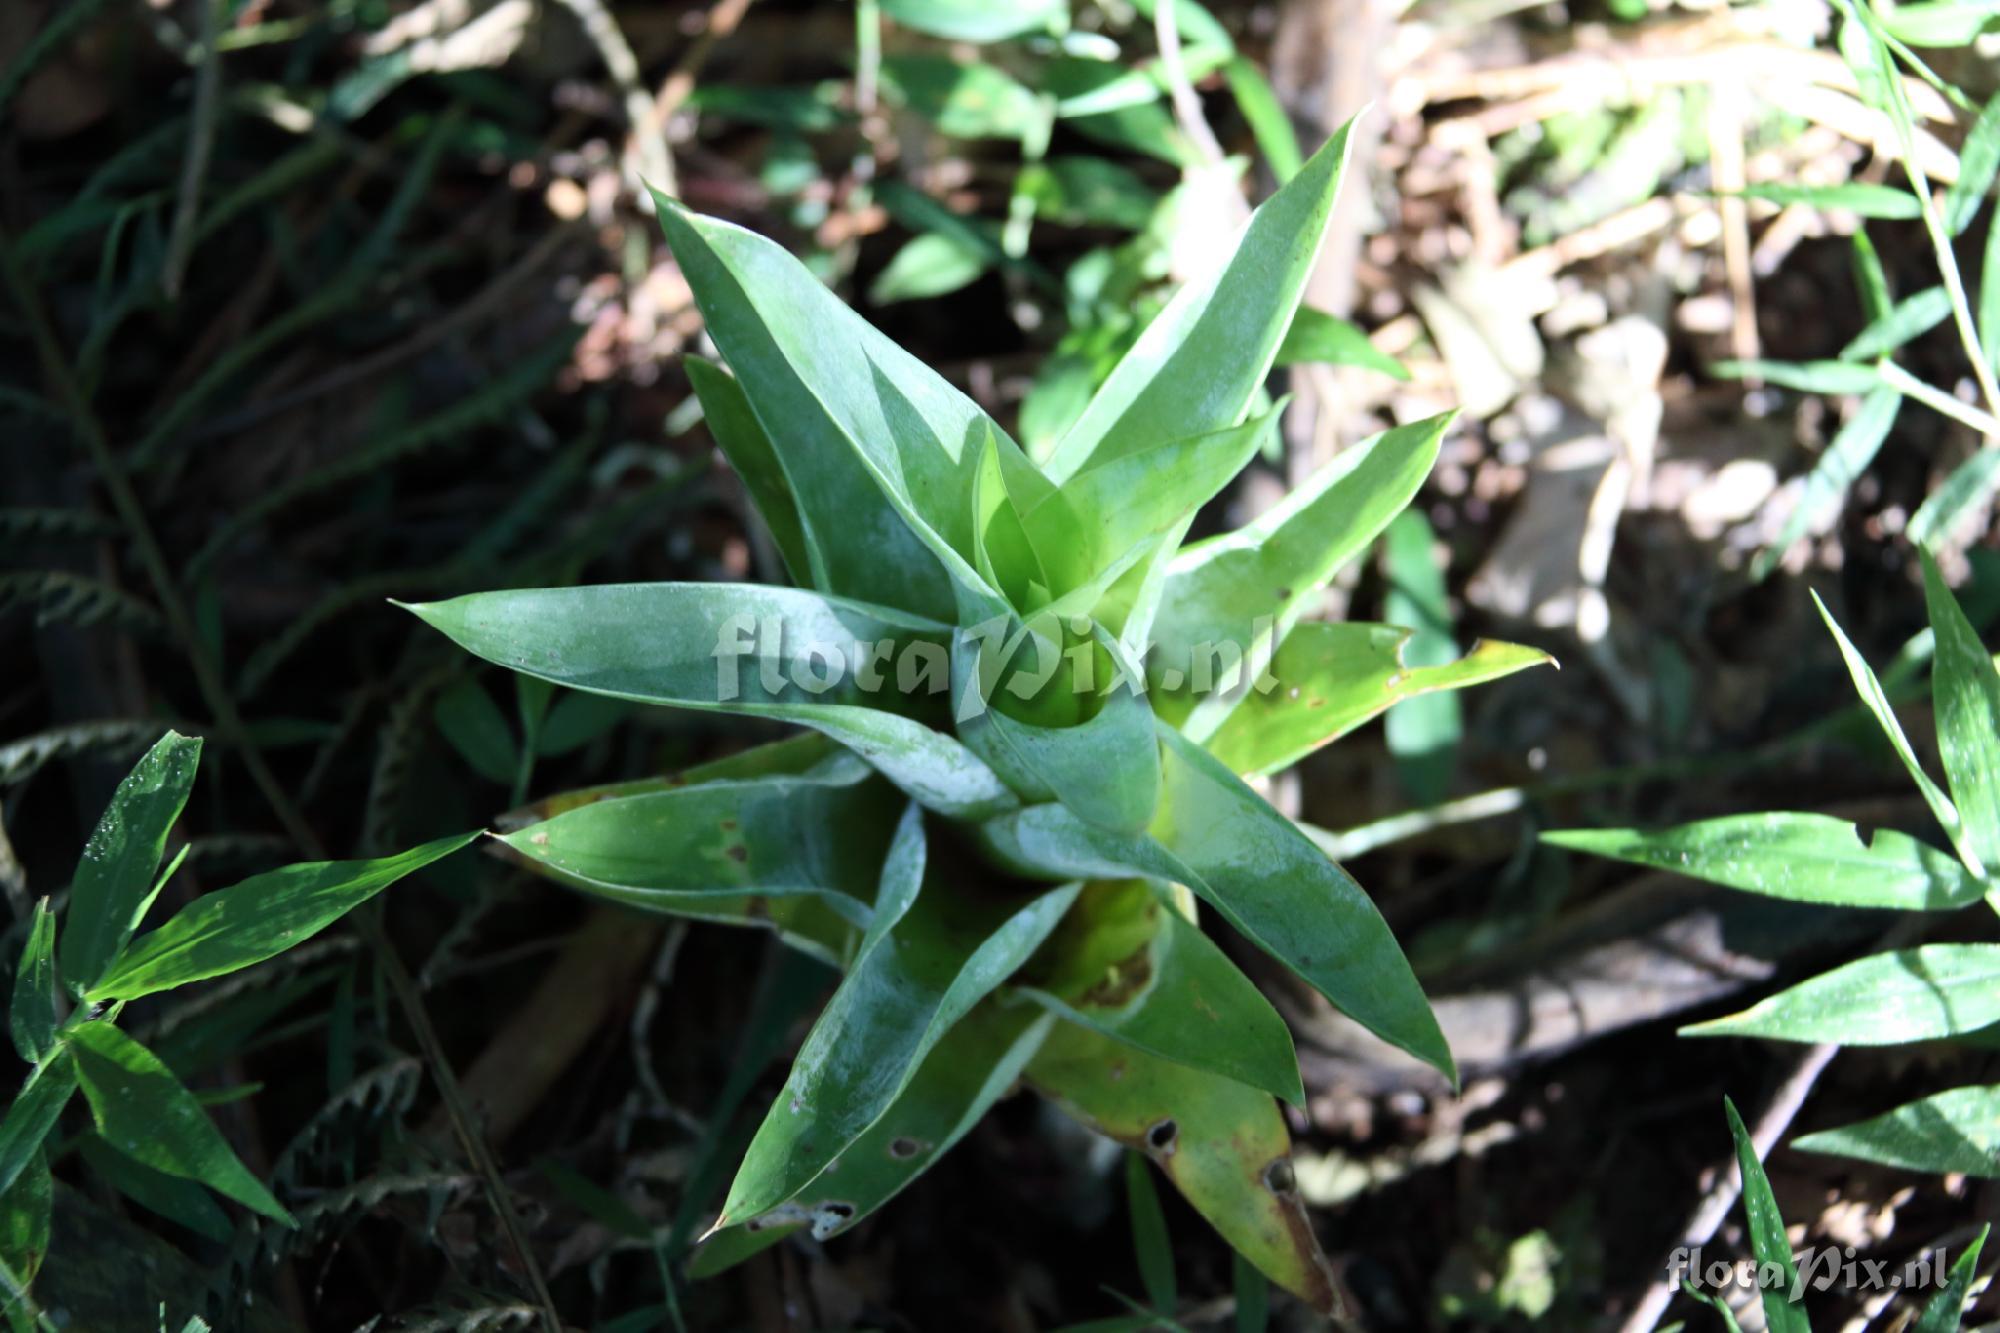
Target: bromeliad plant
[
  {"x": 152, "y": 1134},
  {"x": 1034, "y": 712},
  {"x": 1900, "y": 995}
]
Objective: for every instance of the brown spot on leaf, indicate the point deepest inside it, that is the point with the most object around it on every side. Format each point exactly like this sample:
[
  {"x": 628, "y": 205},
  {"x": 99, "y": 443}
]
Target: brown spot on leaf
[
  {"x": 737, "y": 852},
  {"x": 1122, "y": 981}
]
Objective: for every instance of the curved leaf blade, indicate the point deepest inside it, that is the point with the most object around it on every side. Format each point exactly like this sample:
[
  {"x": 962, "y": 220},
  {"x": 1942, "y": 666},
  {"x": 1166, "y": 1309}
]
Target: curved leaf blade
[
  {"x": 1223, "y": 1145},
  {"x": 1803, "y": 858},
  {"x": 33, "y": 1114},
  {"x": 1201, "y": 360},
  {"x": 1768, "y": 1240},
  {"x": 1886, "y": 999},
  {"x": 144, "y": 1111},
  {"x": 32, "y": 1019},
  {"x": 743, "y": 442},
  {"x": 1965, "y": 696},
  {"x": 1317, "y": 337},
  {"x": 953, "y": 1089},
  {"x": 927, "y": 959},
  {"x": 1957, "y": 1130},
  {"x": 260, "y": 918},
  {"x": 1125, "y": 963},
  {"x": 1244, "y": 590},
  {"x": 114, "y": 880},
  {"x": 746, "y": 649},
  {"x": 1332, "y": 677}
]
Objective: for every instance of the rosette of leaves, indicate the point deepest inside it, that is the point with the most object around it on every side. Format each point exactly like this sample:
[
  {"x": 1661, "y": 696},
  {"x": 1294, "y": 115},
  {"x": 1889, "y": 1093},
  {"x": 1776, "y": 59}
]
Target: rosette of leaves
[
  {"x": 1022, "y": 773},
  {"x": 1920, "y": 993},
  {"x": 152, "y": 1139}
]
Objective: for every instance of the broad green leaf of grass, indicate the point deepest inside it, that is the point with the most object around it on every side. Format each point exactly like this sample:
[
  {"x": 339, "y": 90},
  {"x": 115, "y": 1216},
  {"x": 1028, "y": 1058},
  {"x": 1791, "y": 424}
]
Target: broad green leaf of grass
[
  {"x": 1077, "y": 191},
  {"x": 1846, "y": 457},
  {"x": 26, "y": 1209},
  {"x": 1857, "y": 197},
  {"x": 1950, "y": 1131},
  {"x": 1799, "y": 857},
  {"x": 958, "y": 1082},
  {"x": 1199, "y": 363},
  {"x": 1909, "y": 318},
  {"x": 926, "y": 960},
  {"x": 173, "y": 1197},
  {"x": 1946, "y": 1307},
  {"x": 1804, "y": 376},
  {"x": 1141, "y": 127},
  {"x": 1965, "y": 697},
  {"x": 880, "y": 451},
  {"x": 1266, "y": 878},
  {"x": 743, "y": 442},
  {"x": 1316, "y": 336},
  {"x": 1935, "y": 990},
  {"x": 1244, "y": 590},
  {"x": 1877, "y": 703},
  {"x": 1224, "y": 1145},
  {"x": 1978, "y": 162},
  {"x": 32, "y": 1018},
  {"x": 1330, "y": 677},
  {"x": 1768, "y": 1241},
  {"x": 33, "y": 1114},
  {"x": 978, "y": 20},
  {"x": 1962, "y": 493},
  {"x": 932, "y": 264},
  {"x": 1124, "y": 962},
  {"x": 1151, "y": 1242},
  {"x": 142, "y": 1110},
  {"x": 114, "y": 881},
  {"x": 821, "y": 833},
  {"x": 1940, "y": 23},
  {"x": 238, "y": 927},
  {"x": 1869, "y": 277},
  {"x": 1105, "y": 768},
  {"x": 964, "y": 99},
  {"x": 657, "y": 642}
]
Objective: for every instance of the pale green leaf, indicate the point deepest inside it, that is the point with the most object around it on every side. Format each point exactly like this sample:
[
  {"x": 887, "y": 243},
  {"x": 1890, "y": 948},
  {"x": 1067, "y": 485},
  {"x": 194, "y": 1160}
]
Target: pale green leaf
[
  {"x": 1935, "y": 990},
  {"x": 1805, "y": 376},
  {"x": 1329, "y": 678},
  {"x": 1877, "y": 703},
  {"x": 1940, "y": 22},
  {"x": 1907, "y": 319},
  {"x": 1126, "y": 963},
  {"x": 1858, "y": 197},
  {"x": 1199, "y": 363},
  {"x": 1978, "y": 162},
  {"x": 927, "y": 958},
  {"x": 146, "y": 1113},
  {"x": 1241, "y": 592},
  {"x": 243, "y": 925},
  {"x": 879, "y": 450},
  {"x": 659, "y": 643},
  {"x": 114, "y": 880},
  {"x": 966, "y": 100},
  {"x": 1266, "y": 878},
  {"x": 32, "y": 1019},
  {"x": 1950, "y": 1131},
  {"x": 1316, "y": 336},
  {"x": 1768, "y": 1241},
  {"x": 929, "y": 265},
  {"x": 955, "y": 1086},
  {"x": 1962, "y": 494},
  {"x": 1799, "y": 857},
  {"x": 478, "y": 730},
  {"x": 1847, "y": 456},
  {"x": 1270, "y": 123},
  {"x": 1224, "y": 1145},
  {"x": 1965, "y": 698},
  {"x": 743, "y": 442},
  {"x": 978, "y": 20}
]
